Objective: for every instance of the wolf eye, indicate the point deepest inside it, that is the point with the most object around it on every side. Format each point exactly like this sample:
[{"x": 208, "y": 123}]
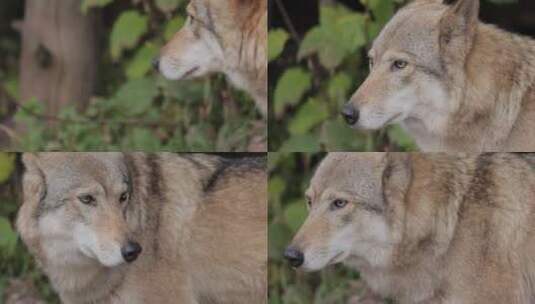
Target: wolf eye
[
  {"x": 123, "y": 197},
  {"x": 399, "y": 64},
  {"x": 339, "y": 203},
  {"x": 86, "y": 199}
]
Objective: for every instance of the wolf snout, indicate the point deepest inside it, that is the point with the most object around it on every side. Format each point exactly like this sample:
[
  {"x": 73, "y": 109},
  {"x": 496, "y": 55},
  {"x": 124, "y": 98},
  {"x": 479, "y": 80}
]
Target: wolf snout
[
  {"x": 131, "y": 251},
  {"x": 156, "y": 63},
  {"x": 350, "y": 114},
  {"x": 294, "y": 256}
]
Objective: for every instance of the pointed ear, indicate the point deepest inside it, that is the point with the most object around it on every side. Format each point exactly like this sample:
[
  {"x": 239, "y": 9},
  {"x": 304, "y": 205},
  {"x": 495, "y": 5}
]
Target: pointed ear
[
  {"x": 459, "y": 21},
  {"x": 397, "y": 176},
  {"x": 33, "y": 192}
]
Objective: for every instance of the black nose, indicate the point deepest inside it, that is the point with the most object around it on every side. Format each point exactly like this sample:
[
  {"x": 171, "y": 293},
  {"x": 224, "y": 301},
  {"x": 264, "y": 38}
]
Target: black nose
[
  {"x": 131, "y": 251},
  {"x": 156, "y": 63},
  {"x": 294, "y": 256},
  {"x": 350, "y": 114}
]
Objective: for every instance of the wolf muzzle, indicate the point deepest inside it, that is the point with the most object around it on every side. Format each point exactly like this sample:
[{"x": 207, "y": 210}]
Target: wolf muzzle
[
  {"x": 131, "y": 251},
  {"x": 350, "y": 114},
  {"x": 294, "y": 256}
]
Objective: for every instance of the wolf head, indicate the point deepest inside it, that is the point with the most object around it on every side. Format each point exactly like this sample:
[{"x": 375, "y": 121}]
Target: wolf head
[
  {"x": 75, "y": 207},
  {"x": 199, "y": 47},
  {"x": 351, "y": 200},
  {"x": 412, "y": 63}
]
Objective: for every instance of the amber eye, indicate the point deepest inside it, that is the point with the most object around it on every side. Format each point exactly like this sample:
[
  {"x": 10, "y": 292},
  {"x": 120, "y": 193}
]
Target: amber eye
[
  {"x": 399, "y": 64},
  {"x": 124, "y": 197},
  {"x": 86, "y": 199},
  {"x": 339, "y": 203}
]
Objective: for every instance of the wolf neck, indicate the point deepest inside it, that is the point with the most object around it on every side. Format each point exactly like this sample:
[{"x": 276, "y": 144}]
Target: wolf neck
[
  {"x": 487, "y": 96},
  {"x": 415, "y": 267},
  {"x": 85, "y": 284},
  {"x": 246, "y": 66}
]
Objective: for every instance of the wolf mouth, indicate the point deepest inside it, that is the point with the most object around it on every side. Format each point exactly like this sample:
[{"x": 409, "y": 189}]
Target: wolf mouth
[
  {"x": 392, "y": 119},
  {"x": 334, "y": 260},
  {"x": 189, "y": 72}
]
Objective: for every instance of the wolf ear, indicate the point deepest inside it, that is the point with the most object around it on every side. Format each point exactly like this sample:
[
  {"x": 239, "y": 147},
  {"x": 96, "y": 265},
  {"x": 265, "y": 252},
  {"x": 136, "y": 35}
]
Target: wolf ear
[
  {"x": 34, "y": 191},
  {"x": 459, "y": 20},
  {"x": 396, "y": 176}
]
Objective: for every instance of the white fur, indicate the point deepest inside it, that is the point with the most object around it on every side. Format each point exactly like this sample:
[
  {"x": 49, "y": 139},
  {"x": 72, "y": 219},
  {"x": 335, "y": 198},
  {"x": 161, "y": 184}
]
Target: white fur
[
  {"x": 394, "y": 109},
  {"x": 372, "y": 243},
  {"x": 108, "y": 253},
  {"x": 61, "y": 243},
  {"x": 426, "y": 103},
  {"x": 368, "y": 243},
  {"x": 204, "y": 55},
  {"x": 338, "y": 249}
]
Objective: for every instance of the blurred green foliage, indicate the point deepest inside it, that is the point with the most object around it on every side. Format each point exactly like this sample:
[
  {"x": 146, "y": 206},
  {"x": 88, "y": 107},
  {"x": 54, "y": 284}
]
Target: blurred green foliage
[
  {"x": 317, "y": 73},
  {"x": 289, "y": 174},
  {"x": 136, "y": 108},
  {"x": 15, "y": 260}
]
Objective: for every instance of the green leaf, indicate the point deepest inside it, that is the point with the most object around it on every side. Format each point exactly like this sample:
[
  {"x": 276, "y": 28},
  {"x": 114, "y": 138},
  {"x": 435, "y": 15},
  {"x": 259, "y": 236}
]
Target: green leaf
[
  {"x": 276, "y": 187},
  {"x": 382, "y": 10},
  {"x": 400, "y": 137},
  {"x": 168, "y": 5},
  {"x": 276, "y": 41},
  {"x": 312, "y": 42},
  {"x": 142, "y": 139},
  {"x": 274, "y": 158},
  {"x": 310, "y": 114},
  {"x": 8, "y": 237},
  {"x": 11, "y": 85},
  {"x": 136, "y": 96},
  {"x": 301, "y": 143},
  {"x": 290, "y": 88},
  {"x": 340, "y": 33},
  {"x": 351, "y": 32},
  {"x": 373, "y": 29},
  {"x": 34, "y": 140},
  {"x": 337, "y": 136},
  {"x": 198, "y": 138},
  {"x": 173, "y": 26},
  {"x": 88, "y": 4},
  {"x": 326, "y": 42},
  {"x": 295, "y": 214},
  {"x": 7, "y": 164},
  {"x": 332, "y": 56},
  {"x": 141, "y": 63},
  {"x": 329, "y": 14},
  {"x": 339, "y": 86},
  {"x": 126, "y": 32},
  {"x": 279, "y": 237},
  {"x": 300, "y": 295}
]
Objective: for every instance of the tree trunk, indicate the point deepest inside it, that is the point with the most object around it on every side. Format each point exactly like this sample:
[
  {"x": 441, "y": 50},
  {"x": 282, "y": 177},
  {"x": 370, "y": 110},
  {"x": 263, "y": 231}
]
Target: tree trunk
[{"x": 59, "y": 54}]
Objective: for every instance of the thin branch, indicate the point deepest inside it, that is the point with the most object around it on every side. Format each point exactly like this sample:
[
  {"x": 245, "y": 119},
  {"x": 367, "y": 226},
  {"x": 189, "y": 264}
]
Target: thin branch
[
  {"x": 288, "y": 21},
  {"x": 10, "y": 132}
]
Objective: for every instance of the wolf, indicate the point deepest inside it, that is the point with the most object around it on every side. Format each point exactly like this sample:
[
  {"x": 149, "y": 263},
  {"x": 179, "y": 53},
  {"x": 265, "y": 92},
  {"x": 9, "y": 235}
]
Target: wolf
[
  {"x": 452, "y": 82},
  {"x": 117, "y": 228},
  {"x": 424, "y": 228},
  {"x": 221, "y": 36}
]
